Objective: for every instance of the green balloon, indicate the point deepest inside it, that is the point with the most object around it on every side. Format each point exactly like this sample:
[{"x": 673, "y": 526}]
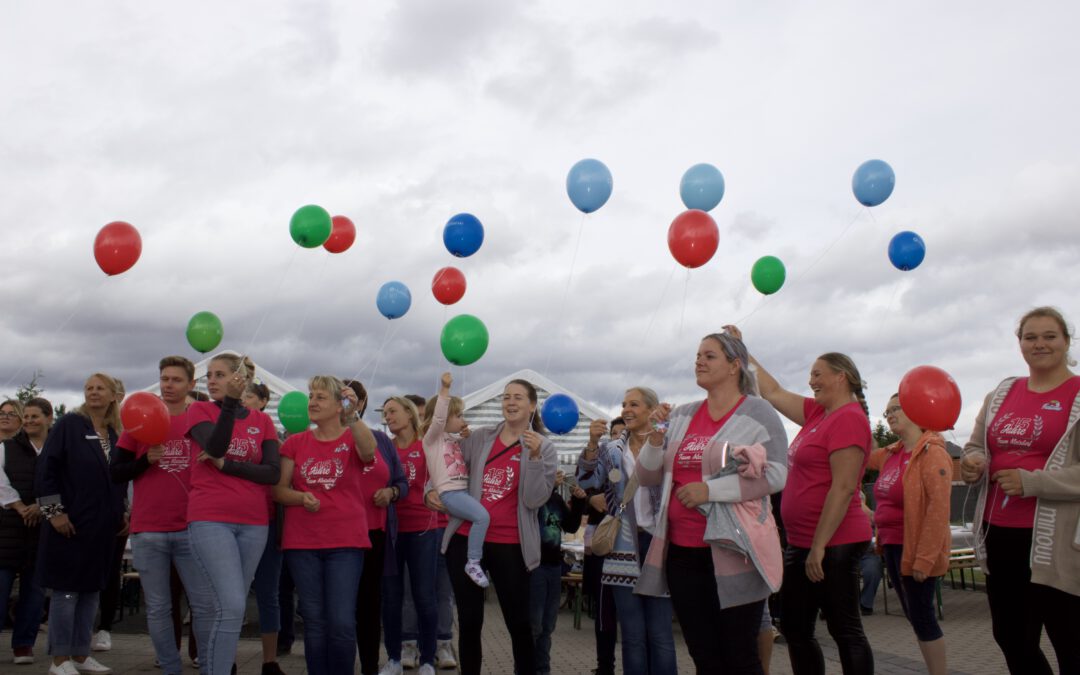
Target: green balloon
[
  {"x": 464, "y": 340},
  {"x": 204, "y": 331},
  {"x": 310, "y": 226},
  {"x": 768, "y": 274},
  {"x": 292, "y": 411}
]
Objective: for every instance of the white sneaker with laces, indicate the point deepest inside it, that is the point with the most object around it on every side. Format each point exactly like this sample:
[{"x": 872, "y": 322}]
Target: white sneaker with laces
[
  {"x": 426, "y": 669},
  {"x": 65, "y": 668},
  {"x": 391, "y": 668},
  {"x": 476, "y": 573},
  {"x": 410, "y": 654},
  {"x": 102, "y": 641},
  {"x": 91, "y": 665},
  {"x": 444, "y": 655}
]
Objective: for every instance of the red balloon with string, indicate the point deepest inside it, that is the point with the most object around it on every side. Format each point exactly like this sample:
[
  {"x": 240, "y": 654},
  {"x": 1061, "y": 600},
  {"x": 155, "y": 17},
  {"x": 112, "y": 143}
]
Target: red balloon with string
[
  {"x": 448, "y": 286},
  {"x": 117, "y": 247},
  {"x": 930, "y": 398},
  {"x": 342, "y": 235},
  {"x": 693, "y": 238},
  {"x": 146, "y": 418}
]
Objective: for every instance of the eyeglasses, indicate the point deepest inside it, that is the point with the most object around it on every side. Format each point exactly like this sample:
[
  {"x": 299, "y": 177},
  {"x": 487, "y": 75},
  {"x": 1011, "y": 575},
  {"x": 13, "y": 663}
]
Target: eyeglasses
[
  {"x": 893, "y": 410},
  {"x": 9, "y": 415}
]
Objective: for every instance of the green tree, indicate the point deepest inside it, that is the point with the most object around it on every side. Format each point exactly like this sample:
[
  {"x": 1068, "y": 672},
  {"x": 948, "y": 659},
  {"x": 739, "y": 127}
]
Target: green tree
[
  {"x": 882, "y": 435},
  {"x": 31, "y": 389}
]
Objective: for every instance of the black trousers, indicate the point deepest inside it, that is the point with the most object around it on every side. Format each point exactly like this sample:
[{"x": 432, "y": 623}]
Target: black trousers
[
  {"x": 720, "y": 640},
  {"x": 369, "y": 603},
  {"x": 1019, "y": 609},
  {"x": 605, "y": 624},
  {"x": 837, "y": 597},
  {"x": 110, "y": 597},
  {"x": 506, "y": 569}
]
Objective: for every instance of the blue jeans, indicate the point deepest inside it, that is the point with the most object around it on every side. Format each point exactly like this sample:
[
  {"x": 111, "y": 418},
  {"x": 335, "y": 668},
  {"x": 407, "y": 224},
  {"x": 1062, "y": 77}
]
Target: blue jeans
[
  {"x": 71, "y": 618},
  {"x": 327, "y": 581},
  {"x": 648, "y": 647},
  {"x": 154, "y": 554},
  {"x": 870, "y": 570},
  {"x": 227, "y": 555},
  {"x": 545, "y": 589},
  {"x": 916, "y": 598},
  {"x": 444, "y": 598},
  {"x": 266, "y": 584},
  {"x": 27, "y": 609},
  {"x": 463, "y": 505},
  {"x": 419, "y": 551}
]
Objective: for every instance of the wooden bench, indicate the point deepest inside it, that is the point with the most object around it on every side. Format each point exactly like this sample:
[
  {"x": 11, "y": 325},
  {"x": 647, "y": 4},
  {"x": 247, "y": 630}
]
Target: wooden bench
[
  {"x": 962, "y": 559},
  {"x": 573, "y": 584}
]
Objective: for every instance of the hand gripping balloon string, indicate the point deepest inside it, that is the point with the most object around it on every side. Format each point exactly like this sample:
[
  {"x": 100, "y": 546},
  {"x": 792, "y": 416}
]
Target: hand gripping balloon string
[{"x": 661, "y": 426}]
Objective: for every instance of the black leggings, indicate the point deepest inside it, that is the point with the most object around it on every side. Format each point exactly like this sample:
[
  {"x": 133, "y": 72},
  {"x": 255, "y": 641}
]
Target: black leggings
[
  {"x": 506, "y": 567},
  {"x": 719, "y": 640},
  {"x": 110, "y": 597},
  {"x": 837, "y": 597},
  {"x": 369, "y": 603}
]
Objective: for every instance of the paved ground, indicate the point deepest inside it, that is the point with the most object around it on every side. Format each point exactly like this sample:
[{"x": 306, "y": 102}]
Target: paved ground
[{"x": 966, "y": 625}]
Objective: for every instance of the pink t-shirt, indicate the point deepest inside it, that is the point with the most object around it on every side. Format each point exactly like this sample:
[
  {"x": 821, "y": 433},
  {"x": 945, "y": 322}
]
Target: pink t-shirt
[
  {"x": 1022, "y": 436},
  {"x": 413, "y": 515},
  {"x": 810, "y": 476},
  {"x": 687, "y": 526},
  {"x": 160, "y": 499},
  {"x": 216, "y": 496},
  {"x": 330, "y": 470},
  {"x": 889, "y": 495},
  {"x": 374, "y": 476},
  {"x": 502, "y": 478}
]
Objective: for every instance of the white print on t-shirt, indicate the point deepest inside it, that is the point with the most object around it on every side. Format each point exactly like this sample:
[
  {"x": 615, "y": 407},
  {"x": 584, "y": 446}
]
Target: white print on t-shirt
[
  {"x": 253, "y": 431},
  {"x": 324, "y": 473},
  {"x": 1016, "y": 435},
  {"x": 175, "y": 456},
  {"x": 1053, "y": 405},
  {"x": 691, "y": 451},
  {"x": 371, "y": 465},
  {"x": 887, "y": 479},
  {"x": 455, "y": 463},
  {"x": 410, "y": 472},
  {"x": 243, "y": 449},
  {"x": 344, "y": 447},
  {"x": 498, "y": 481}
]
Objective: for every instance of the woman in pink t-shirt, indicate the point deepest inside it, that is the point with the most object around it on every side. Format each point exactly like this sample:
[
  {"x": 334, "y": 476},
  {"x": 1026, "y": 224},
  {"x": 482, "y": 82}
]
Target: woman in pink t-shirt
[
  {"x": 827, "y": 531},
  {"x": 1029, "y": 500},
  {"x": 325, "y": 530}
]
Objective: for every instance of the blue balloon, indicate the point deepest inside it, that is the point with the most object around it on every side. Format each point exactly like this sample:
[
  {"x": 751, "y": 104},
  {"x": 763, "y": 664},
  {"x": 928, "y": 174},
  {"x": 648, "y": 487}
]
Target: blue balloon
[
  {"x": 873, "y": 182},
  {"x": 560, "y": 414},
  {"x": 463, "y": 235},
  {"x": 702, "y": 187},
  {"x": 393, "y": 300},
  {"x": 906, "y": 251},
  {"x": 589, "y": 185}
]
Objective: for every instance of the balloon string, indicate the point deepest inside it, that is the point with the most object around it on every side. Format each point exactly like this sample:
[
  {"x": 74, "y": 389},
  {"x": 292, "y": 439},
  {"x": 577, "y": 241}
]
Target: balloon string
[
  {"x": 307, "y": 312},
  {"x": 378, "y": 354},
  {"x": 566, "y": 291},
  {"x": 276, "y": 295},
  {"x": 63, "y": 324},
  {"x": 686, "y": 290}
]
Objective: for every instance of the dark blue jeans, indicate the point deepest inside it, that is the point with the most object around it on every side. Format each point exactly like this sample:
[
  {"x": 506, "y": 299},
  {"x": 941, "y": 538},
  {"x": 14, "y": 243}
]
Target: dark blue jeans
[
  {"x": 648, "y": 647},
  {"x": 837, "y": 597},
  {"x": 327, "y": 581},
  {"x": 267, "y": 584},
  {"x": 27, "y": 609},
  {"x": 916, "y": 599},
  {"x": 418, "y": 550},
  {"x": 545, "y": 589}
]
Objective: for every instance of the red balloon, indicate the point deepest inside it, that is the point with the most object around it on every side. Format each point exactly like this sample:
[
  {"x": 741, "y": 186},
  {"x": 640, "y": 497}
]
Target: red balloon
[
  {"x": 448, "y": 286},
  {"x": 930, "y": 398},
  {"x": 146, "y": 418},
  {"x": 117, "y": 247},
  {"x": 693, "y": 238},
  {"x": 342, "y": 235}
]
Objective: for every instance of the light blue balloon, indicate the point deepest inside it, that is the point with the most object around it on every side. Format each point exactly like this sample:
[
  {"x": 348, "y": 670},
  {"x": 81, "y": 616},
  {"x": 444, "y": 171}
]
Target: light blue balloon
[
  {"x": 702, "y": 187},
  {"x": 873, "y": 182},
  {"x": 589, "y": 185},
  {"x": 393, "y": 300}
]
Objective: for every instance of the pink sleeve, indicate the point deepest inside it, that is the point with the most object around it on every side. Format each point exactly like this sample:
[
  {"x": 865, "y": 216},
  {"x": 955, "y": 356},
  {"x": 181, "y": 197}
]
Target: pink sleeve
[
  {"x": 810, "y": 409},
  {"x": 129, "y": 443},
  {"x": 849, "y": 429},
  {"x": 269, "y": 430},
  {"x": 197, "y": 413},
  {"x": 288, "y": 448}
]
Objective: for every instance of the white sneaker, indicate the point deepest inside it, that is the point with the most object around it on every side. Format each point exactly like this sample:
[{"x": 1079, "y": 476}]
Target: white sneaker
[
  {"x": 91, "y": 665},
  {"x": 102, "y": 641},
  {"x": 476, "y": 573},
  {"x": 426, "y": 669},
  {"x": 410, "y": 654},
  {"x": 444, "y": 655},
  {"x": 65, "y": 668},
  {"x": 195, "y": 663},
  {"x": 391, "y": 668}
]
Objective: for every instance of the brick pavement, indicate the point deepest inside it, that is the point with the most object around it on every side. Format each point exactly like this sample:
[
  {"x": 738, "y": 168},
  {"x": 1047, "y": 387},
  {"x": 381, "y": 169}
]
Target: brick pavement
[{"x": 967, "y": 629}]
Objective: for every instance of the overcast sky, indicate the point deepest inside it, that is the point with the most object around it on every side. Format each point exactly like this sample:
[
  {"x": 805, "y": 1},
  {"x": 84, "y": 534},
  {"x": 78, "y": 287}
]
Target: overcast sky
[{"x": 207, "y": 124}]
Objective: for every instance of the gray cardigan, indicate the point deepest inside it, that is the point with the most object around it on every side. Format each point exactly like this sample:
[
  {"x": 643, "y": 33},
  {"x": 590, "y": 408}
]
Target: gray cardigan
[{"x": 534, "y": 487}]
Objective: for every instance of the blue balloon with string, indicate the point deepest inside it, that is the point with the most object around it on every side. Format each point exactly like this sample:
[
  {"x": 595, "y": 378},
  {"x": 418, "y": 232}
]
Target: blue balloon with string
[
  {"x": 702, "y": 187},
  {"x": 873, "y": 182},
  {"x": 463, "y": 235},
  {"x": 393, "y": 300},
  {"x": 560, "y": 414},
  {"x": 589, "y": 185},
  {"x": 906, "y": 251}
]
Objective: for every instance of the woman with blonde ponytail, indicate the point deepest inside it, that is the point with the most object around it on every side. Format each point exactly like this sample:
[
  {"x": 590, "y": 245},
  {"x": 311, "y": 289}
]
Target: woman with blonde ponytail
[{"x": 827, "y": 531}]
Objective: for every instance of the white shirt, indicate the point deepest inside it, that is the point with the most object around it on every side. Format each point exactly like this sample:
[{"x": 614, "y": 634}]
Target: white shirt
[
  {"x": 643, "y": 511},
  {"x": 8, "y": 494}
]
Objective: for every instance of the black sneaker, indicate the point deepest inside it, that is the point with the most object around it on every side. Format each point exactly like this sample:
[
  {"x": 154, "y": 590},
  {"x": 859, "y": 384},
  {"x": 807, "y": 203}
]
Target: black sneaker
[
  {"x": 272, "y": 668},
  {"x": 866, "y": 611}
]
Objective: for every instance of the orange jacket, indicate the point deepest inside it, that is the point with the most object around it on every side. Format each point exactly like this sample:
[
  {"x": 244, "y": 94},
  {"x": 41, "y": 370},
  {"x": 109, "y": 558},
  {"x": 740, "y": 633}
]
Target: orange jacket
[{"x": 927, "y": 491}]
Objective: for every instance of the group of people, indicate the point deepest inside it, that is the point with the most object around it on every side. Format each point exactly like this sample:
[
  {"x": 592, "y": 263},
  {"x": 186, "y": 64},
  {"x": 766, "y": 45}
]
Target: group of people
[{"x": 723, "y": 525}]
